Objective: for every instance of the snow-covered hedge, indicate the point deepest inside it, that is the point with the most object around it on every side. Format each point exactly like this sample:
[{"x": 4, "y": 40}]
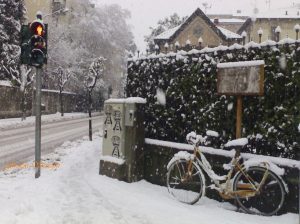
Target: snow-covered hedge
[{"x": 188, "y": 80}]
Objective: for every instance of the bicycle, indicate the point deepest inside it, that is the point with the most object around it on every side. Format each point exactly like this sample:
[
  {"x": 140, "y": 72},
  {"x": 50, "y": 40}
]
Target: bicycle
[{"x": 255, "y": 186}]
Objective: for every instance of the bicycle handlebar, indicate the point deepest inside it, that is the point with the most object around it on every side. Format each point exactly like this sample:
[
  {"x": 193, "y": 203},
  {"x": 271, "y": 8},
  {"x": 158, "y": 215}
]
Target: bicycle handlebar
[{"x": 194, "y": 139}]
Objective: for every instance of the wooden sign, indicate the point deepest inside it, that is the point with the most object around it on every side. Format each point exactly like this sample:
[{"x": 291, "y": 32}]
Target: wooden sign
[
  {"x": 241, "y": 78},
  {"x": 244, "y": 78}
]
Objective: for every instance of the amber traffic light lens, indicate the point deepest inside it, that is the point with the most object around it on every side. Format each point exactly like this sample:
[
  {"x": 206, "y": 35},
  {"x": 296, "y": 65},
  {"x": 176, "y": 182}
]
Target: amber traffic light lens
[{"x": 39, "y": 30}]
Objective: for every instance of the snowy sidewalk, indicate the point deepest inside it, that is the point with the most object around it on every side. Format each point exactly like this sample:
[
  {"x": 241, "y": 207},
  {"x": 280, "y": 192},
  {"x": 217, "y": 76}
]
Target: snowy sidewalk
[
  {"x": 75, "y": 194},
  {"x": 16, "y": 122}
]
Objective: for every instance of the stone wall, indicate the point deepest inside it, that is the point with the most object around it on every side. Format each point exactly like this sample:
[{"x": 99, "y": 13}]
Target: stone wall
[
  {"x": 156, "y": 159},
  {"x": 10, "y": 102}
]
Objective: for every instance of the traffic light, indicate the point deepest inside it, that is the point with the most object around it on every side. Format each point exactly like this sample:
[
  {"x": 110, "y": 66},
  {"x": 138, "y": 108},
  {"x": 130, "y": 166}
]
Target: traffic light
[
  {"x": 38, "y": 43},
  {"x": 34, "y": 43},
  {"x": 25, "y": 45}
]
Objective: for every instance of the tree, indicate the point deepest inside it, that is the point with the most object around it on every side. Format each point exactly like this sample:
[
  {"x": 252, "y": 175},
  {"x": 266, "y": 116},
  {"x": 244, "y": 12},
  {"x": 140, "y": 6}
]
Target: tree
[
  {"x": 162, "y": 26},
  {"x": 11, "y": 17},
  {"x": 104, "y": 31},
  {"x": 62, "y": 76},
  {"x": 95, "y": 73},
  {"x": 24, "y": 81}
]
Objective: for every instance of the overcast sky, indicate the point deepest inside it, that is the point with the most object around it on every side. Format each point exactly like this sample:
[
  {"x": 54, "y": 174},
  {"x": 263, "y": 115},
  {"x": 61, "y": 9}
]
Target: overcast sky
[{"x": 146, "y": 13}]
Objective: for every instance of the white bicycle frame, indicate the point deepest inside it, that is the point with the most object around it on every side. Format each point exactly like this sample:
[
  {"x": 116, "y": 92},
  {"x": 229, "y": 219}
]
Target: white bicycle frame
[{"x": 226, "y": 186}]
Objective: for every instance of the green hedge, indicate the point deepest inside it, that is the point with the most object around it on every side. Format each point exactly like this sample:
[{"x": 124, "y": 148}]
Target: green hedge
[{"x": 192, "y": 104}]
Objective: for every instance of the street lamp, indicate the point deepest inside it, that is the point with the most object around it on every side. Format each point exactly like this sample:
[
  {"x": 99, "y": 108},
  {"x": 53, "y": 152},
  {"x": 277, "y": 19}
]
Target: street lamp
[
  {"x": 244, "y": 35},
  {"x": 278, "y": 31},
  {"x": 297, "y": 28},
  {"x": 177, "y": 45},
  {"x": 166, "y": 47},
  {"x": 188, "y": 44},
  {"x": 156, "y": 48},
  {"x": 200, "y": 41},
  {"x": 260, "y": 33}
]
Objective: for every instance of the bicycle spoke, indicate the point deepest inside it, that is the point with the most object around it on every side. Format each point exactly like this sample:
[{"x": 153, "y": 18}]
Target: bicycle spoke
[
  {"x": 179, "y": 170},
  {"x": 270, "y": 197},
  {"x": 183, "y": 185}
]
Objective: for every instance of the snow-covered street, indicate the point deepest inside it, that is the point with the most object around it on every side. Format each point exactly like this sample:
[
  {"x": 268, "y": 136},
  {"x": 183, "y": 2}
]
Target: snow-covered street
[
  {"x": 76, "y": 193},
  {"x": 17, "y": 139}
]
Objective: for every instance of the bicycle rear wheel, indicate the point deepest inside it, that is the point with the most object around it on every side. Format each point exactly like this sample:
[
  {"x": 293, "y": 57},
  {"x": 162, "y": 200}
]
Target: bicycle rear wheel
[
  {"x": 184, "y": 186},
  {"x": 269, "y": 200}
]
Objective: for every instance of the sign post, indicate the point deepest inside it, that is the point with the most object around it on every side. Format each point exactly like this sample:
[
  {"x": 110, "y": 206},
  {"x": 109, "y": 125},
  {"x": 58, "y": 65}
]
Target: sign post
[
  {"x": 244, "y": 78},
  {"x": 239, "y": 117}
]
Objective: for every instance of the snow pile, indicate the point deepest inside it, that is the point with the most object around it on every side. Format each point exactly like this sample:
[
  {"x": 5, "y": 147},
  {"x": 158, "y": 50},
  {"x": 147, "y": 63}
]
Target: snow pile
[
  {"x": 252, "y": 44},
  {"x": 237, "y": 142},
  {"x": 205, "y": 50},
  {"x": 236, "y": 47},
  {"x": 127, "y": 100},
  {"x": 268, "y": 43},
  {"x": 57, "y": 91},
  {"x": 76, "y": 193},
  {"x": 276, "y": 160},
  {"x": 181, "y": 155},
  {"x": 212, "y": 133},
  {"x": 167, "y": 34},
  {"x": 5, "y": 83},
  {"x": 112, "y": 160},
  {"x": 241, "y": 64},
  {"x": 264, "y": 163}
]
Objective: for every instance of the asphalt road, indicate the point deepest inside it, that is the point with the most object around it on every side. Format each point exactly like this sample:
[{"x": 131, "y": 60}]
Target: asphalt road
[{"x": 18, "y": 145}]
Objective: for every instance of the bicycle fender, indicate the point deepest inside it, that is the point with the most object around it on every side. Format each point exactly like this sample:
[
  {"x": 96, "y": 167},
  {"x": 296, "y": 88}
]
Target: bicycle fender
[
  {"x": 268, "y": 165},
  {"x": 181, "y": 155},
  {"x": 264, "y": 163}
]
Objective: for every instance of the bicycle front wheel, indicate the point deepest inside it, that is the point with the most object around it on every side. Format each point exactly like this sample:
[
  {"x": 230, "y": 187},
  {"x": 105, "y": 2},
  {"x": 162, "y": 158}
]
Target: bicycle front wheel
[
  {"x": 186, "y": 187},
  {"x": 269, "y": 200}
]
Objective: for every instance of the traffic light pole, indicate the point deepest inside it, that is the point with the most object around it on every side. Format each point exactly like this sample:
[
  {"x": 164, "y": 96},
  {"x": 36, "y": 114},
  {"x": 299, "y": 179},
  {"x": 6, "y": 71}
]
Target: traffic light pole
[{"x": 38, "y": 123}]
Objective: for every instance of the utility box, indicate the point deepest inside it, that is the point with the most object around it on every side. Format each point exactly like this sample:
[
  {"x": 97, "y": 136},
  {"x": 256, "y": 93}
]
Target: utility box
[{"x": 123, "y": 139}]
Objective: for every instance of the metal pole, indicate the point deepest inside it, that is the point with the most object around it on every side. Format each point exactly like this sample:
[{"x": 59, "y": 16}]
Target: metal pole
[
  {"x": 90, "y": 117},
  {"x": 38, "y": 78}
]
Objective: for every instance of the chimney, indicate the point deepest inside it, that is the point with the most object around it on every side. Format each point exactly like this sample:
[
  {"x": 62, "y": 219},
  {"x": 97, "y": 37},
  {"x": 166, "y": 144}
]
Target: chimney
[{"x": 216, "y": 21}]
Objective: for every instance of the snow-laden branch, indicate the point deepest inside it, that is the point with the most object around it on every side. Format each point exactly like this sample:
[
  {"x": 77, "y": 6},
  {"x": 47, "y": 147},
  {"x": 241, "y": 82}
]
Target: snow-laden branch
[
  {"x": 63, "y": 76},
  {"x": 95, "y": 72},
  {"x": 26, "y": 78}
]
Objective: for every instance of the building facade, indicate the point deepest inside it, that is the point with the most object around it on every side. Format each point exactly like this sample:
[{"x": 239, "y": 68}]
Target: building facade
[
  {"x": 197, "y": 31},
  {"x": 201, "y": 30},
  {"x": 272, "y": 25}
]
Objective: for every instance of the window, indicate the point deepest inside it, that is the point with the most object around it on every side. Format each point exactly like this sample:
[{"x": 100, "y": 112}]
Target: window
[
  {"x": 273, "y": 33},
  {"x": 58, "y": 5}
]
